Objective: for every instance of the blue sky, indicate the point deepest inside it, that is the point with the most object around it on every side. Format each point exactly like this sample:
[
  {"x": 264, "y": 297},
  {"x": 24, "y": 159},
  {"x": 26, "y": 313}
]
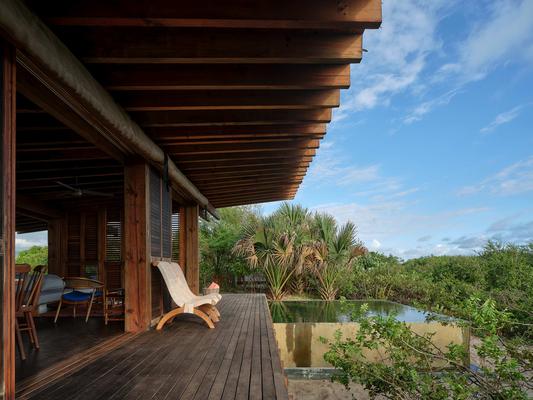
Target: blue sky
[{"x": 431, "y": 151}]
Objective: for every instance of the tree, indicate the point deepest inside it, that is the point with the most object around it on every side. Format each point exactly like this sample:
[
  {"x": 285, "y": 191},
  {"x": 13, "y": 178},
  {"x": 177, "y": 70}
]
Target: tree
[
  {"x": 35, "y": 255},
  {"x": 217, "y": 238},
  {"x": 278, "y": 245},
  {"x": 335, "y": 250}
]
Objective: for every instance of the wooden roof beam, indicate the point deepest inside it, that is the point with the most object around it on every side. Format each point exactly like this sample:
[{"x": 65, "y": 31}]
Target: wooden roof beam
[
  {"x": 244, "y": 141},
  {"x": 207, "y": 132},
  {"x": 227, "y": 99},
  {"x": 230, "y": 117},
  {"x": 255, "y": 156},
  {"x": 350, "y": 15},
  {"x": 257, "y": 196},
  {"x": 159, "y": 77},
  {"x": 159, "y": 45},
  {"x": 246, "y": 164},
  {"x": 262, "y": 146},
  {"x": 253, "y": 197},
  {"x": 34, "y": 206},
  {"x": 231, "y": 188},
  {"x": 206, "y": 178}
]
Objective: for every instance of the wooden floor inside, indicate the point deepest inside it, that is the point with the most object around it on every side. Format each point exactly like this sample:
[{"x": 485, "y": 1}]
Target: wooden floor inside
[
  {"x": 237, "y": 360},
  {"x": 58, "y": 342}
]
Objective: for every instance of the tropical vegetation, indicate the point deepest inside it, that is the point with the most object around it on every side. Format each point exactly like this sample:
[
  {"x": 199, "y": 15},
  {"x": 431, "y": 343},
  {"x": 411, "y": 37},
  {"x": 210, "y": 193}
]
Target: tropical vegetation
[
  {"x": 35, "y": 255},
  {"x": 413, "y": 367}
]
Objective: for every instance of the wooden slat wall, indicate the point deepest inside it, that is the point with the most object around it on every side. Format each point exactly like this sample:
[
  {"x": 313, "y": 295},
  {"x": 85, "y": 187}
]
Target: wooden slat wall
[
  {"x": 166, "y": 221},
  {"x": 160, "y": 217},
  {"x": 73, "y": 261},
  {"x": 189, "y": 254},
  {"x": 155, "y": 214},
  {"x": 7, "y": 219}
]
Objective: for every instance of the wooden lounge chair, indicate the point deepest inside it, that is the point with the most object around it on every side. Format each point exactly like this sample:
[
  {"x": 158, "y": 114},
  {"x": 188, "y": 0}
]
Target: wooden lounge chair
[{"x": 185, "y": 299}]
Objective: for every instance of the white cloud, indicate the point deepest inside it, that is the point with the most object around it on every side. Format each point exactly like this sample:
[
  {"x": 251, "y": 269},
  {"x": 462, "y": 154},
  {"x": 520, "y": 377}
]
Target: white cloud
[
  {"x": 397, "y": 54},
  {"x": 503, "y": 118},
  {"x": 382, "y": 220},
  {"x": 515, "y": 179},
  {"x": 506, "y": 33},
  {"x": 426, "y": 107}
]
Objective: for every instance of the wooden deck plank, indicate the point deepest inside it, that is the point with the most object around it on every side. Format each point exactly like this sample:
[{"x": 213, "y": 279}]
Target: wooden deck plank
[
  {"x": 236, "y": 368},
  {"x": 255, "y": 374},
  {"x": 237, "y": 360},
  {"x": 210, "y": 357},
  {"x": 219, "y": 381},
  {"x": 189, "y": 357},
  {"x": 267, "y": 375},
  {"x": 204, "y": 382}
]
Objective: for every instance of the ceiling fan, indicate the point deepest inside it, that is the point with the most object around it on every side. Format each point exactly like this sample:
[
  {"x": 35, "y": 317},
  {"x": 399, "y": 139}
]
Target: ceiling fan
[{"x": 78, "y": 192}]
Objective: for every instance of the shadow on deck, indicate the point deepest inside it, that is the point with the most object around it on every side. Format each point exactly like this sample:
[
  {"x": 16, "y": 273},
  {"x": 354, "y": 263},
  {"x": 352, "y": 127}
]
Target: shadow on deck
[{"x": 237, "y": 360}]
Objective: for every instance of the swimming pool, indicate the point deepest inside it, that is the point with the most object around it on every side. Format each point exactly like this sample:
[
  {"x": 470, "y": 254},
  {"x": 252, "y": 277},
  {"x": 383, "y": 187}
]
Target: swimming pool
[{"x": 298, "y": 326}]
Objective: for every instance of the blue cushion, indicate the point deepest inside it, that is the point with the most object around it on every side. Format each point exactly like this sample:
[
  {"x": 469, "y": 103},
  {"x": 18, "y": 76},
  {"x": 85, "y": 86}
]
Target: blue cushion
[{"x": 77, "y": 296}]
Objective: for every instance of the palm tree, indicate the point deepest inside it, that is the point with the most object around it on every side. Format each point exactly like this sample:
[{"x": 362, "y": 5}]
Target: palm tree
[
  {"x": 335, "y": 251},
  {"x": 279, "y": 246},
  {"x": 264, "y": 248},
  {"x": 295, "y": 220}
]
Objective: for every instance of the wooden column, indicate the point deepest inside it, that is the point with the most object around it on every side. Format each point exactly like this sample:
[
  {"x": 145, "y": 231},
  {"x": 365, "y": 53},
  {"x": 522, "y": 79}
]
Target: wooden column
[
  {"x": 137, "y": 278},
  {"x": 189, "y": 246},
  {"x": 7, "y": 216}
]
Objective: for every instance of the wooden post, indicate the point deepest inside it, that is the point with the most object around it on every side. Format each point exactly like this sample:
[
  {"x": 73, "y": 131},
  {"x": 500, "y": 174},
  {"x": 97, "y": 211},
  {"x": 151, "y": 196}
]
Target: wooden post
[
  {"x": 189, "y": 253},
  {"x": 137, "y": 278},
  {"x": 7, "y": 216}
]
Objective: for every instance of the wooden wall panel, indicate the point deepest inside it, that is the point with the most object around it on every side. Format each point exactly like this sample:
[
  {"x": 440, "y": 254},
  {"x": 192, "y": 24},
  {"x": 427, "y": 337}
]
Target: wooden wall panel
[
  {"x": 137, "y": 274},
  {"x": 57, "y": 246},
  {"x": 189, "y": 254},
  {"x": 7, "y": 217}
]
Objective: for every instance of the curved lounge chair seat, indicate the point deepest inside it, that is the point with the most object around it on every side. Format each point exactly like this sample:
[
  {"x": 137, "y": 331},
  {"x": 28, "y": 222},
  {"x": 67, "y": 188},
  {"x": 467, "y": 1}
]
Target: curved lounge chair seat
[{"x": 185, "y": 299}]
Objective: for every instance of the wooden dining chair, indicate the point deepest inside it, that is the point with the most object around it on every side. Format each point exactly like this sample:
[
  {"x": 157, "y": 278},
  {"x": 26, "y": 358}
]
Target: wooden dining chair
[
  {"x": 28, "y": 287},
  {"x": 83, "y": 291}
]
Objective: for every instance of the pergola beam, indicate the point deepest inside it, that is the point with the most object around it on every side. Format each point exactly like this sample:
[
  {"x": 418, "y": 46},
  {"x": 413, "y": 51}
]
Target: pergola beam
[
  {"x": 208, "y": 132},
  {"x": 227, "y": 99},
  {"x": 230, "y": 117},
  {"x": 350, "y": 15},
  {"x": 112, "y": 45},
  {"x": 222, "y": 76}
]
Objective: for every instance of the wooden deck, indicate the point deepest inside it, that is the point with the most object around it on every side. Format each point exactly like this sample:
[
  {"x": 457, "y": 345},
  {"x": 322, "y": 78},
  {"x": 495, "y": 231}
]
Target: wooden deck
[{"x": 237, "y": 360}]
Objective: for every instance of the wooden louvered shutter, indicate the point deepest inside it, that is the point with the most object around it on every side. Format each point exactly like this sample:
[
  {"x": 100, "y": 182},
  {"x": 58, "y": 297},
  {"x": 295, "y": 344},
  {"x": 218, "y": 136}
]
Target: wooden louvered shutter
[
  {"x": 166, "y": 221},
  {"x": 175, "y": 236},
  {"x": 113, "y": 253},
  {"x": 113, "y": 249},
  {"x": 90, "y": 245},
  {"x": 73, "y": 245},
  {"x": 155, "y": 213}
]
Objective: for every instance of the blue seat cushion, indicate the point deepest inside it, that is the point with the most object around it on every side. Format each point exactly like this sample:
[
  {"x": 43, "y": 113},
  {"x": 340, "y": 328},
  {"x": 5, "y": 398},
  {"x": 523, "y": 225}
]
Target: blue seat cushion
[{"x": 77, "y": 296}]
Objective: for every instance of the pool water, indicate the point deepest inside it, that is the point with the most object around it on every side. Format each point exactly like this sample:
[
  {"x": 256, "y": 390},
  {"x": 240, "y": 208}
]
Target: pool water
[
  {"x": 298, "y": 326},
  {"x": 339, "y": 311}
]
